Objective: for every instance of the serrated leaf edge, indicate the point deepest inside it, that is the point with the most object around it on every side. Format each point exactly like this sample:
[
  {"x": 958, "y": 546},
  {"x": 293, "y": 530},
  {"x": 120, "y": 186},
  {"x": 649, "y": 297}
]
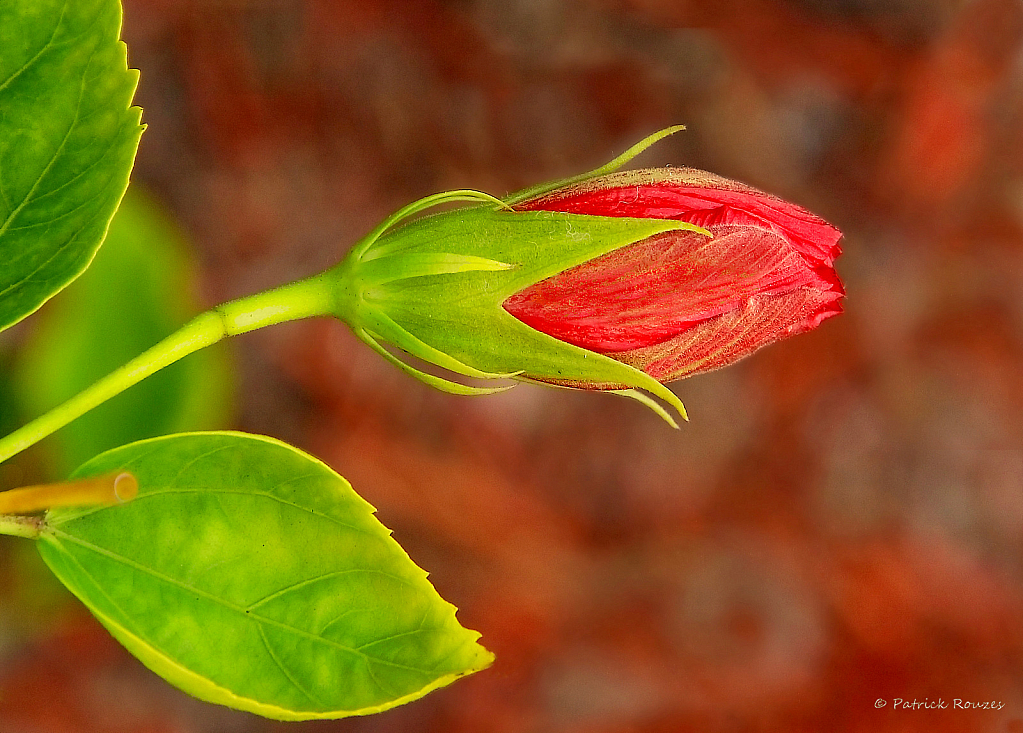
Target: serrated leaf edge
[
  {"x": 134, "y": 111},
  {"x": 202, "y": 687}
]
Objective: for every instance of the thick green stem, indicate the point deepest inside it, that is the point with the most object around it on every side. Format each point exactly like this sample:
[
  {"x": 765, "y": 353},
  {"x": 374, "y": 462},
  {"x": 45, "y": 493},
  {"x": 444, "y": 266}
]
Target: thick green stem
[{"x": 312, "y": 297}]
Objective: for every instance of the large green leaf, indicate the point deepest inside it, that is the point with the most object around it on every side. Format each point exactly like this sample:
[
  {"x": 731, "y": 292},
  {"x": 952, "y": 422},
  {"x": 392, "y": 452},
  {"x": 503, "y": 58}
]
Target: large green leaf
[
  {"x": 139, "y": 289},
  {"x": 250, "y": 574},
  {"x": 67, "y": 142}
]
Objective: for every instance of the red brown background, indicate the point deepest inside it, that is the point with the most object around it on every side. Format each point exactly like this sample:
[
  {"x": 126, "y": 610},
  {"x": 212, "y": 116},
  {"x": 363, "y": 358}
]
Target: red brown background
[{"x": 842, "y": 519}]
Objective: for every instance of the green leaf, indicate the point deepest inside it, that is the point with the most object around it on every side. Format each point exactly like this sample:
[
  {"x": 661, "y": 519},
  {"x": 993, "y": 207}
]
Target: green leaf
[
  {"x": 67, "y": 142},
  {"x": 250, "y": 574},
  {"x": 139, "y": 289}
]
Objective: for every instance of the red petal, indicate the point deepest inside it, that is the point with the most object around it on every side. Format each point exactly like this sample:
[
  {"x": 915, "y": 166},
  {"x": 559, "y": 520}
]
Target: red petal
[
  {"x": 682, "y": 193},
  {"x": 727, "y": 338},
  {"x": 680, "y": 303},
  {"x": 651, "y": 291}
]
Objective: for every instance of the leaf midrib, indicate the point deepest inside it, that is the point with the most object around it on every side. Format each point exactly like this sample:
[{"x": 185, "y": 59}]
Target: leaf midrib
[
  {"x": 237, "y": 492},
  {"x": 46, "y": 46},
  {"x": 255, "y": 617},
  {"x": 28, "y": 196}
]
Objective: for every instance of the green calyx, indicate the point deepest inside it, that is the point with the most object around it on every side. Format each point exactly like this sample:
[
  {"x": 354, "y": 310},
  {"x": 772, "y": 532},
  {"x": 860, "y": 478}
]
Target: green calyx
[{"x": 435, "y": 289}]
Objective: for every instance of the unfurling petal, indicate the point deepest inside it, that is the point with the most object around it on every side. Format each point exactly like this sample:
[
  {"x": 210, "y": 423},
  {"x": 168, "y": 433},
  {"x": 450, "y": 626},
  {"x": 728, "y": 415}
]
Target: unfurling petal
[{"x": 680, "y": 303}]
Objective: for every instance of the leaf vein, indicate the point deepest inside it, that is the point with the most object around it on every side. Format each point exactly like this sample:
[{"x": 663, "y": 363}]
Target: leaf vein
[
  {"x": 46, "y": 46},
  {"x": 53, "y": 158},
  {"x": 84, "y": 171},
  {"x": 198, "y": 458},
  {"x": 308, "y": 581},
  {"x": 53, "y": 255},
  {"x": 84, "y": 203},
  {"x": 399, "y": 635},
  {"x": 280, "y": 665},
  {"x": 124, "y": 616},
  {"x": 335, "y": 520},
  {"x": 233, "y": 607},
  {"x": 24, "y": 202},
  {"x": 347, "y": 612}
]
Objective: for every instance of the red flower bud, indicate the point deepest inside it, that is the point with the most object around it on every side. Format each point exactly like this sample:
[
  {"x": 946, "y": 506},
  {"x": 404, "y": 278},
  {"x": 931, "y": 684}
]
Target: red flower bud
[{"x": 678, "y": 303}]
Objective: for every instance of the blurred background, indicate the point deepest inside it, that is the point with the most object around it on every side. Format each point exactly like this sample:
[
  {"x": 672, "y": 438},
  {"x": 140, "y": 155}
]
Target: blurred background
[{"x": 840, "y": 522}]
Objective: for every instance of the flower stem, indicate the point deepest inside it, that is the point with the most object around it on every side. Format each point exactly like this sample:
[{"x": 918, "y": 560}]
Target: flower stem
[{"x": 302, "y": 299}]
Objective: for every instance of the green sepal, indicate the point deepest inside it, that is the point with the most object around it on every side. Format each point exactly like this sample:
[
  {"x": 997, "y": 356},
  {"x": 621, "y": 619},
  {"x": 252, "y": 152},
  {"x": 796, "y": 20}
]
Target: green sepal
[
  {"x": 422, "y": 204},
  {"x": 635, "y": 394},
  {"x": 609, "y": 167},
  {"x": 387, "y": 330},
  {"x": 444, "y": 385},
  {"x": 461, "y": 314},
  {"x": 388, "y": 268}
]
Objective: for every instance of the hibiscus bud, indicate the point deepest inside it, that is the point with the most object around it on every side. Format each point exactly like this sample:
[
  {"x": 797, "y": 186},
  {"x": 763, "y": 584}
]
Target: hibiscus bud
[{"x": 607, "y": 281}]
